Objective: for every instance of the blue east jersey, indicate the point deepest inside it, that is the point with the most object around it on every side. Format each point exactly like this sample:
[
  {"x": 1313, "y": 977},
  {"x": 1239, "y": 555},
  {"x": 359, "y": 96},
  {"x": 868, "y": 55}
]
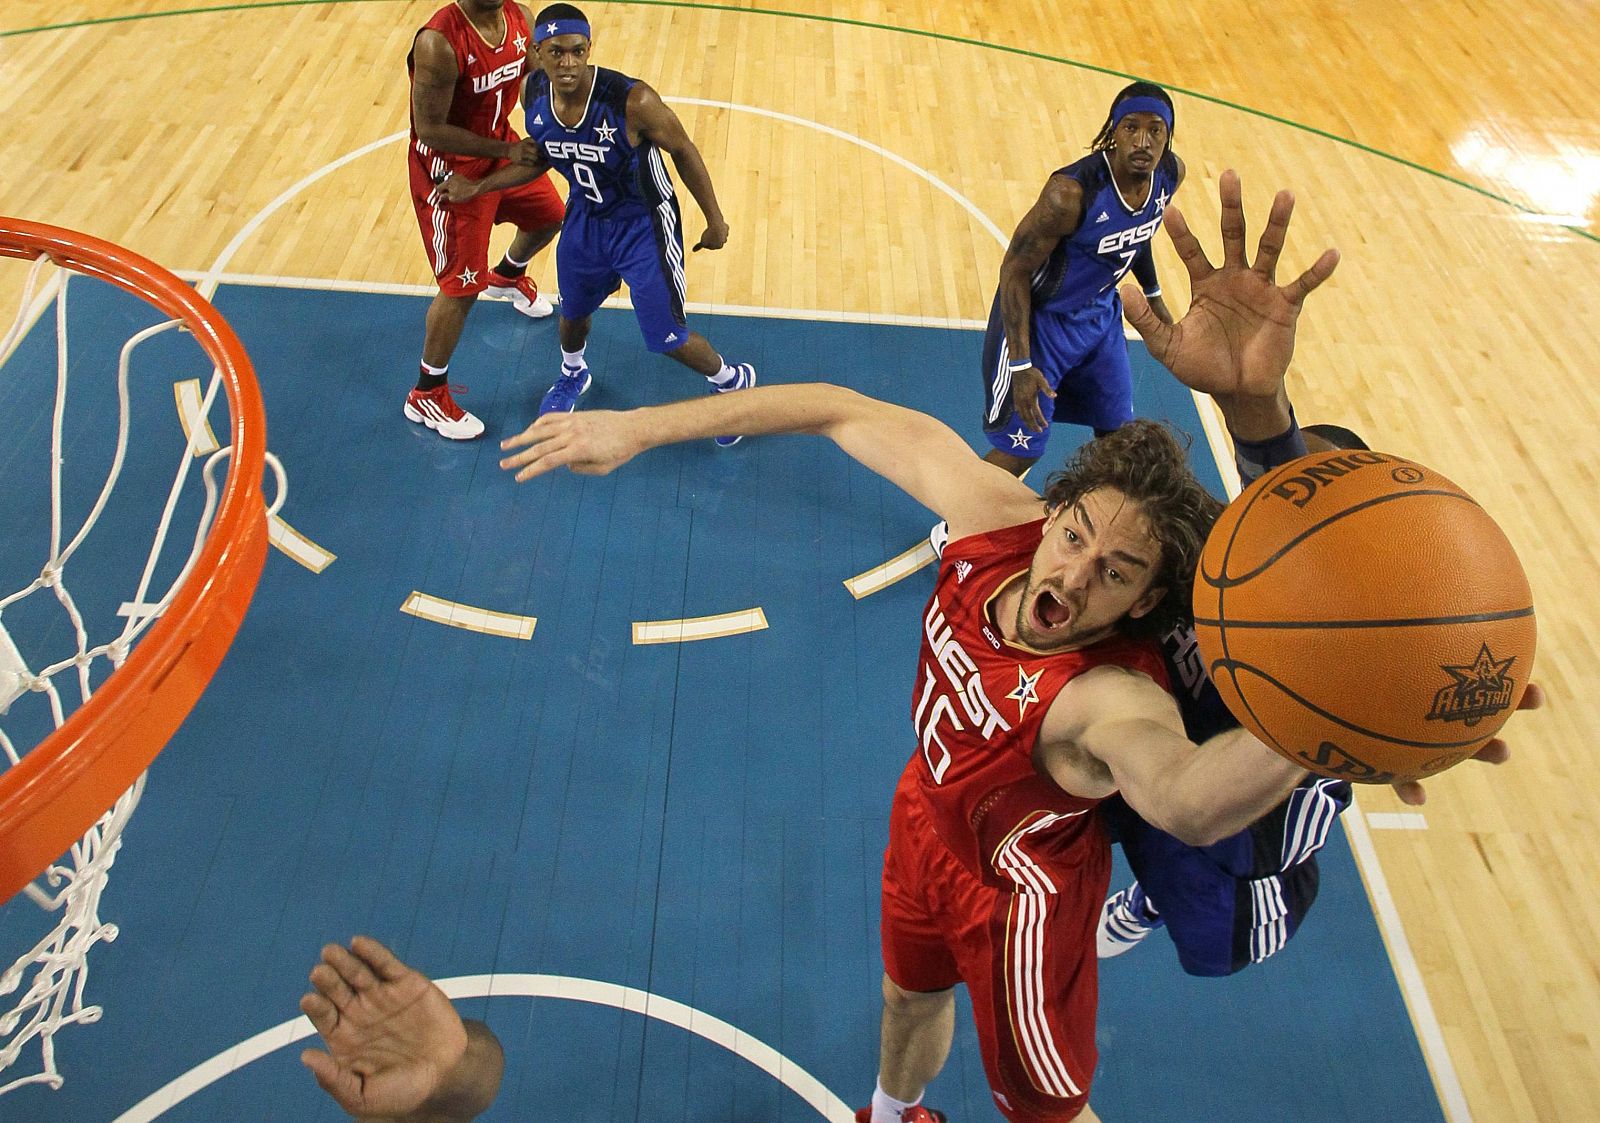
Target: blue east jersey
[
  {"x": 1075, "y": 320},
  {"x": 622, "y": 219},
  {"x": 607, "y": 176},
  {"x": 1086, "y": 266},
  {"x": 1236, "y": 902}
]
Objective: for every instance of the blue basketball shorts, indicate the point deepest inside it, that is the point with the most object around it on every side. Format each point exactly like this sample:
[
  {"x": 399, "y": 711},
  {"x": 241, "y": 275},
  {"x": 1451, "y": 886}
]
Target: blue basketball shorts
[
  {"x": 1082, "y": 355},
  {"x": 1239, "y": 901},
  {"x": 595, "y": 255}
]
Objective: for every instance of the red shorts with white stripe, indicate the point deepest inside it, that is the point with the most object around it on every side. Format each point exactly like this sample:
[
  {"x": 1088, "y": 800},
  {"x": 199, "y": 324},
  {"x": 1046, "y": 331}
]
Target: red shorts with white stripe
[
  {"x": 1028, "y": 959},
  {"x": 456, "y": 235}
]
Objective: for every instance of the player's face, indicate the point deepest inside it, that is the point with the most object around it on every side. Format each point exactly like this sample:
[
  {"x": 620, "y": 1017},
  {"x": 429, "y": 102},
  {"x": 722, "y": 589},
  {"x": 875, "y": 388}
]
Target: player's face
[
  {"x": 565, "y": 61},
  {"x": 1095, "y": 566},
  {"x": 1138, "y": 142}
]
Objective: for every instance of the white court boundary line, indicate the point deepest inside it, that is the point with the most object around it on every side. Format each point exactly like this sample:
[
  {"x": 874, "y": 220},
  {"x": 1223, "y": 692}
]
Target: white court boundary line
[
  {"x": 714, "y": 1030},
  {"x": 1424, "y": 1021}
]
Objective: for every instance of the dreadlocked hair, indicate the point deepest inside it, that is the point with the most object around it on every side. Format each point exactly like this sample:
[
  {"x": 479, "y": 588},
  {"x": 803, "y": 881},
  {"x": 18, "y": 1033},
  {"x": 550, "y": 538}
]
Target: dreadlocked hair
[
  {"x": 1145, "y": 461},
  {"x": 1102, "y": 139}
]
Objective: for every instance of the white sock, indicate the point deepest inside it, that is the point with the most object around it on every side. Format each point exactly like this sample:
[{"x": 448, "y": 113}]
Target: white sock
[
  {"x": 724, "y": 377},
  {"x": 573, "y": 360},
  {"x": 435, "y": 371},
  {"x": 514, "y": 263},
  {"x": 887, "y": 1109}
]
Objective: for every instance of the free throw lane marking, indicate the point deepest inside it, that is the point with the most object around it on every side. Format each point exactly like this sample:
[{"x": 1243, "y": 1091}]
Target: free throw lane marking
[
  {"x": 466, "y": 616},
  {"x": 829, "y": 1106},
  {"x": 300, "y": 548},
  {"x": 196, "y": 426},
  {"x": 1397, "y": 821},
  {"x": 897, "y": 568},
  {"x": 699, "y": 627}
]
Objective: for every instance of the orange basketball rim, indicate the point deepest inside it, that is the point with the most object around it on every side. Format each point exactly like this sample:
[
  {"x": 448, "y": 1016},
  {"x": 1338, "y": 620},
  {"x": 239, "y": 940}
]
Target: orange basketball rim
[{"x": 67, "y": 781}]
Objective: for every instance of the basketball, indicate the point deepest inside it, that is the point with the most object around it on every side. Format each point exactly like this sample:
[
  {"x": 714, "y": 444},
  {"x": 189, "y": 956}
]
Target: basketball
[{"x": 1364, "y": 616}]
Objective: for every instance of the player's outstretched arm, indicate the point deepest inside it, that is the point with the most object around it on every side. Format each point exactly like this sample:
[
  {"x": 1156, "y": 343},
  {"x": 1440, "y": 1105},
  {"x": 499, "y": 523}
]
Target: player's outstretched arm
[
  {"x": 917, "y": 453},
  {"x": 1116, "y": 729},
  {"x": 527, "y": 164},
  {"x": 1237, "y": 338},
  {"x": 396, "y": 1048},
  {"x": 651, "y": 118}
]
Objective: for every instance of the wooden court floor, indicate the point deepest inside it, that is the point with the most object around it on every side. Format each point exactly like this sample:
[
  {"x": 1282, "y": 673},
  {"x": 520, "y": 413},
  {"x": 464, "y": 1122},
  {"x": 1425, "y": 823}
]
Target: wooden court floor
[{"x": 1451, "y": 152}]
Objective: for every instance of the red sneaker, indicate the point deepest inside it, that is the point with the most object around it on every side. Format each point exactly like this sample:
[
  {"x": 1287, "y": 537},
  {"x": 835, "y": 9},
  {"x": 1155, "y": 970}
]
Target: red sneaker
[
  {"x": 522, "y": 292},
  {"x": 918, "y": 1114},
  {"x": 438, "y": 411}
]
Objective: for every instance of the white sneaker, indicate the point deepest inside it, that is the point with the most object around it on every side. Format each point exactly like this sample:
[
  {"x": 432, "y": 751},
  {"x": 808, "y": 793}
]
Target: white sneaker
[
  {"x": 1125, "y": 919},
  {"x": 438, "y": 411},
  {"x": 522, "y": 292}
]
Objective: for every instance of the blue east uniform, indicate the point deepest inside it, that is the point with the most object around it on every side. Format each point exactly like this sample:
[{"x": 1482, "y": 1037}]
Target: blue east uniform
[
  {"x": 622, "y": 219},
  {"x": 1076, "y": 323}
]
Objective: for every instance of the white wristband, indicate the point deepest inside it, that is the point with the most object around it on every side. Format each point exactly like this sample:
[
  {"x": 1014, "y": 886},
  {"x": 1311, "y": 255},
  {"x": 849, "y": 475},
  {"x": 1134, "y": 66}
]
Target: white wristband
[{"x": 1020, "y": 365}]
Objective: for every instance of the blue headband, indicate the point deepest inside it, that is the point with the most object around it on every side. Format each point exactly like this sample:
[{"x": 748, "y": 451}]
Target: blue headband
[
  {"x": 551, "y": 28},
  {"x": 1142, "y": 105}
]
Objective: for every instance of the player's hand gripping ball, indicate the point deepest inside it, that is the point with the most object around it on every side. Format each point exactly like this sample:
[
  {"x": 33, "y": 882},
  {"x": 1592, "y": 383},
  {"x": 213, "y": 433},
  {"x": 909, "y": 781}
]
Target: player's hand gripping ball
[{"x": 1363, "y": 616}]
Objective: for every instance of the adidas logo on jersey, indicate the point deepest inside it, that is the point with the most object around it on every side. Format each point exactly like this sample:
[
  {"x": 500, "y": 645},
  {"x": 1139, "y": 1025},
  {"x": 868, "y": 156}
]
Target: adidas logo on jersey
[
  {"x": 538, "y": 118},
  {"x": 1103, "y": 217},
  {"x": 673, "y": 338},
  {"x": 962, "y": 569}
]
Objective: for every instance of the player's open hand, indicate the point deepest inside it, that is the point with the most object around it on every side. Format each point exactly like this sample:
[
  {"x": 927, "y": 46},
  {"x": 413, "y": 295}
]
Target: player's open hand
[
  {"x": 1494, "y": 752},
  {"x": 1238, "y": 335},
  {"x": 714, "y": 238},
  {"x": 459, "y": 189},
  {"x": 1026, "y": 386},
  {"x": 591, "y": 443},
  {"x": 392, "y": 1036}
]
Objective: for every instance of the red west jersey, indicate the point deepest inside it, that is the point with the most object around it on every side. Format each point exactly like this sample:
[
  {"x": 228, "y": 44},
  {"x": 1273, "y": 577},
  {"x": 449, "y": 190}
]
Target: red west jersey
[
  {"x": 977, "y": 707},
  {"x": 488, "y": 82}
]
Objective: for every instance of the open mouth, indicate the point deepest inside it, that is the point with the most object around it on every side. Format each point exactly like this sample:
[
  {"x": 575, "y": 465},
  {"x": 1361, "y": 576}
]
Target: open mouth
[{"x": 1049, "y": 612}]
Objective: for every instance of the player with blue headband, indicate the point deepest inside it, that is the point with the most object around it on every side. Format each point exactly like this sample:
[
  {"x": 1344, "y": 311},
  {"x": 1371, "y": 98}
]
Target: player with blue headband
[
  {"x": 1054, "y": 350},
  {"x": 606, "y": 133}
]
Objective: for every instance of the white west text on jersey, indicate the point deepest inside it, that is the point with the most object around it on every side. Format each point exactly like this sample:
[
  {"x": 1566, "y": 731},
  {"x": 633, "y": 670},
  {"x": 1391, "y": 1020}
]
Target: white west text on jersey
[{"x": 510, "y": 72}]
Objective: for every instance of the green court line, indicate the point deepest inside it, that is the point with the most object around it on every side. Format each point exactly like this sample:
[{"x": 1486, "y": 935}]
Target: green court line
[{"x": 842, "y": 21}]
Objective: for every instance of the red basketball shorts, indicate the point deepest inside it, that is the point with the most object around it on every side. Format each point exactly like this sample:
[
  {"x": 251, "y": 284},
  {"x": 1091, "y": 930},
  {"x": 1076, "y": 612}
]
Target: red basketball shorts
[
  {"x": 1028, "y": 960},
  {"x": 456, "y": 235}
]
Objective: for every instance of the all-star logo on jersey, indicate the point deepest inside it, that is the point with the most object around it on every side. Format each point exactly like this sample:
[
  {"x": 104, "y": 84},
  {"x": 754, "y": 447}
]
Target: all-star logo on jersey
[
  {"x": 1027, "y": 691},
  {"x": 1481, "y": 689},
  {"x": 606, "y": 131}
]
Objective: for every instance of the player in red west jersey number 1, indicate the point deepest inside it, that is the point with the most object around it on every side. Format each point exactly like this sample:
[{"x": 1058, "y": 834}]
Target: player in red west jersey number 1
[{"x": 468, "y": 65}]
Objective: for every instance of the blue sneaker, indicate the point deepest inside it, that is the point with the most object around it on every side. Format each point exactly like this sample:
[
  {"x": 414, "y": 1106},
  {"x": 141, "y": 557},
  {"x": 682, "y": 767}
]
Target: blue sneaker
[
  {"x": 746, "y": 379},
  {"x": 562, "y": 397},
  {"x": 1125, "y": 919}
]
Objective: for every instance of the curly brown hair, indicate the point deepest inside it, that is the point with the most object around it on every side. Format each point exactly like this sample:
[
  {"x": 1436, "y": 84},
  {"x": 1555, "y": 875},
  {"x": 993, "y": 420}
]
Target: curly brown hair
[{"x": 1147, "y": 462}]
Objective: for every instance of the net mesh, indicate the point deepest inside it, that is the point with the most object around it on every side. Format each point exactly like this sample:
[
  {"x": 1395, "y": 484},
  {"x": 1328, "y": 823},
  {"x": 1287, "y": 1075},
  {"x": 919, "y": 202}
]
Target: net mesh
[{"x": 45, "y": 987}]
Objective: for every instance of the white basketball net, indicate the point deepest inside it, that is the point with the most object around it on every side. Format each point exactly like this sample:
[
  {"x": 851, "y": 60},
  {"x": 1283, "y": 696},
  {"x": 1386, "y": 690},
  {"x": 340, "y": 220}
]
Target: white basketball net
[{"x": 49, "y": 979}]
